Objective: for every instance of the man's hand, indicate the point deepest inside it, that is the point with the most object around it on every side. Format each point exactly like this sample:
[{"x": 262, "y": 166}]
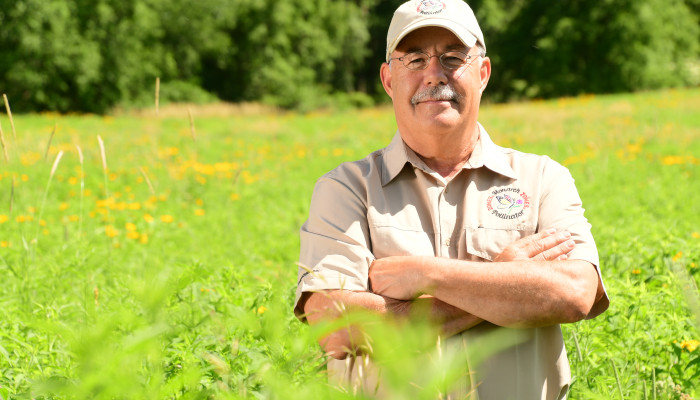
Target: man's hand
[
  {"x": 398, "y": 277},
  {"x": 402, "y": 277},
  {"x": 544, "y": 246}
]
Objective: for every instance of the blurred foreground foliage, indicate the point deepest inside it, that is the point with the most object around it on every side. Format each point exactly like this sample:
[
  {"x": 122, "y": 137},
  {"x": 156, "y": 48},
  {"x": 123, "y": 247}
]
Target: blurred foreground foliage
[
  {"x": 168, "y": 271},
  {"x": 93, "y": 55}
]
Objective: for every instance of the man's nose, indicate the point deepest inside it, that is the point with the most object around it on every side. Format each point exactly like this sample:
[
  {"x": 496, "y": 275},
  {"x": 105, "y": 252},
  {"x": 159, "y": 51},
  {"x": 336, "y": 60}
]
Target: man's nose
[{"x": 434, "y": 73}]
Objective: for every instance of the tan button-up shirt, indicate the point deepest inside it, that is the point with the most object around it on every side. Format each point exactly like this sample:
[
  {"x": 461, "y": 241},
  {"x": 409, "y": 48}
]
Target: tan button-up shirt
[{"x": 391, "y": 203}]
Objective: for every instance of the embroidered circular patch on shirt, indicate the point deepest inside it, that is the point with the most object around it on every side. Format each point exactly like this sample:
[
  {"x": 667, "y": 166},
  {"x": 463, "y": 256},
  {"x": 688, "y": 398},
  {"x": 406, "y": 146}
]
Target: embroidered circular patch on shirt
[
  {"x": 508, "y": 203},
  {"x": 430, "y": 7}
]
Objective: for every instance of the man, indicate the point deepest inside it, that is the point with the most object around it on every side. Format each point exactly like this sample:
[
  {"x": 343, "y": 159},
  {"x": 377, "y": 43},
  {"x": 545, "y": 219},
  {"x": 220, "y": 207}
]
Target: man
[{"x": 492, "y": 238}]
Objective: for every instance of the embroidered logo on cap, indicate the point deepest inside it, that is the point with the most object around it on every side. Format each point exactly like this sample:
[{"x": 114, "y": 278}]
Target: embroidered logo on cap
[
  {"x": 430, "y": 7},
  {"x": 508, "y": 203}
]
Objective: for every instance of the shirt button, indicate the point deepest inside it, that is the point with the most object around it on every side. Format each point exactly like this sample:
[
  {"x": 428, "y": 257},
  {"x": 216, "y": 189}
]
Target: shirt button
[{"x": 447, "y": 242}]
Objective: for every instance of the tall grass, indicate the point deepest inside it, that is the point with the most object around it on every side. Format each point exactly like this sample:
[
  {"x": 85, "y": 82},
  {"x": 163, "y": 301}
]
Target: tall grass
[{"x": 171, "y": 273}]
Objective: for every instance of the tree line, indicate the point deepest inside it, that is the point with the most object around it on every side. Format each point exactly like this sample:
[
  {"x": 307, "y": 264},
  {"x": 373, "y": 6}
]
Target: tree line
[{"x": 93, "y": 55}]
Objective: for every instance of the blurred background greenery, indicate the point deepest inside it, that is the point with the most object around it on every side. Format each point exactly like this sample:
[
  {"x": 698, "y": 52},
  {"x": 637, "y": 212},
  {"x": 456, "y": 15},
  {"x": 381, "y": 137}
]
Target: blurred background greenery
[{"x": 95, "y": 55}]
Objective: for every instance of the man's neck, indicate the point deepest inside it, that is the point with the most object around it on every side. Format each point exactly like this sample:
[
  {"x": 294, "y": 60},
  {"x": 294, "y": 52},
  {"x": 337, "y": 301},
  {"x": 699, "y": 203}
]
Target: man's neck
[{"x": 446, "y": 154}]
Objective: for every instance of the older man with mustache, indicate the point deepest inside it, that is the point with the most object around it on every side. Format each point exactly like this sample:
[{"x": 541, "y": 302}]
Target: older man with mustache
[{"x": 490, "y": 238}]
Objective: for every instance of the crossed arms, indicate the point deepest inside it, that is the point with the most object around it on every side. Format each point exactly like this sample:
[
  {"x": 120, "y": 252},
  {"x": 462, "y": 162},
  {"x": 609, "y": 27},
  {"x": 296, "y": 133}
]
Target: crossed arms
[{"x": 531, "y": 283}]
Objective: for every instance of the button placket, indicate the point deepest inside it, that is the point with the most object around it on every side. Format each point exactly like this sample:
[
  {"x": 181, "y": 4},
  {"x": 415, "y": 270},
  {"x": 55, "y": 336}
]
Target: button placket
[{"x": 446, "y": 223}]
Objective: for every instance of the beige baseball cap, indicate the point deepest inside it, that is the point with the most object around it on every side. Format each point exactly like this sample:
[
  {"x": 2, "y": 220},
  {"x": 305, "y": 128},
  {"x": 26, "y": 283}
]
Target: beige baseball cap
[{"x": 454, "y": 15}]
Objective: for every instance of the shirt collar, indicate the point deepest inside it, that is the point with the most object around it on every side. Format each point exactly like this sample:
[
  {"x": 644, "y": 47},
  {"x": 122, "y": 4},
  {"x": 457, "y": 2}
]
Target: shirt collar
[
  {"x": 486, "y": 154},
  {"x": 395, "y": 158}
]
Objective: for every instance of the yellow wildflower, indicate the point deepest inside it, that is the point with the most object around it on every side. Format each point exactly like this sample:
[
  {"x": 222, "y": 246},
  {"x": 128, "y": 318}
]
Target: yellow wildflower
[
  {"x": 148, "y": 218},
  {"x": 144, "y": 238},
  {"x": 199, "y": 202},
  {"x": 130, "y": 227},
  {"x": 696, "y": 235},
  {"x": 72, "y": 180},
  {"x": 4, "y": 243},
  {"x": 690, "y": 345},
  {"x": 261, "y": 309},
  {"x": 108, "y": 202},
  {"x": 672, "y": 160},
  {"x": 73, "y": 218},
  {"x": 636, "y": 271},
  {"x": 634, "y": 148},
  {"x": 4, "y": 218},
  {"x": 133, "y": 235},
  {"x": 63, "y": 206},
  {"x": 199, "y": 212},
  {"x": 248, "y": 178},
  {"x": 111, "y": 231},
  {"x": 235, "y": 196},
  {"x": 21, "y": 218},
  {"x": 677, "y": 256},
  {"x": 167, "y": 218}
]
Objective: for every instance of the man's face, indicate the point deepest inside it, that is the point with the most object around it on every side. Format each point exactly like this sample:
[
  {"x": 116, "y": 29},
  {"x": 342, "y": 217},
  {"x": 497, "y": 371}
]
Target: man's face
[{"x": 417, "y": 106}]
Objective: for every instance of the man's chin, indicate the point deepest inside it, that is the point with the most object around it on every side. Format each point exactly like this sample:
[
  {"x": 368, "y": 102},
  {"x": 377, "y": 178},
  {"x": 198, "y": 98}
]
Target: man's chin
[{"x": 438, "y": 116}]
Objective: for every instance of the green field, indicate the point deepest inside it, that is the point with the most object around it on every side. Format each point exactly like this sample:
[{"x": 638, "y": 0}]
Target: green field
[{"x": 167, "y": 269}]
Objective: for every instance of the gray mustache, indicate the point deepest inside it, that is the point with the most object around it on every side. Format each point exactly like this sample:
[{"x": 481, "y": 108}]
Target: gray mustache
[{"x": 440, "y": 93}]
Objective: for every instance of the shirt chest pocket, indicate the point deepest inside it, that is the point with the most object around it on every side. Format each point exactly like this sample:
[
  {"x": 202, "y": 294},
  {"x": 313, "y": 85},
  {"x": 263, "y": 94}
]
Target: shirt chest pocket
[
  {"x": 486, "y": 243},
  {"x": 390, "y": 240}
]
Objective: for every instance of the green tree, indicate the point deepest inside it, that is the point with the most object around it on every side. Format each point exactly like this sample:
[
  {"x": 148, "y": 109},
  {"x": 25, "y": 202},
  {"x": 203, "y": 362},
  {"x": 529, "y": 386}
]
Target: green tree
[
  {"x": 44, "y": 62},
  {"x": 544, "y": 49},
  {"x": 291, "y": 53}
]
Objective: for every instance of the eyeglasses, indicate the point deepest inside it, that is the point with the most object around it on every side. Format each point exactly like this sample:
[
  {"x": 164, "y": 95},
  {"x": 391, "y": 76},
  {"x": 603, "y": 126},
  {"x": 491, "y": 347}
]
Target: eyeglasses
[{"x": 418, "y": 60}]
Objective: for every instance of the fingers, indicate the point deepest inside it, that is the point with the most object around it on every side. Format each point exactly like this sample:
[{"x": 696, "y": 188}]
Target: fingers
[
  {"x": 558, "y": 252},
  {"x": 549, "y": 245},
  {"x": 532, "y": 240}
]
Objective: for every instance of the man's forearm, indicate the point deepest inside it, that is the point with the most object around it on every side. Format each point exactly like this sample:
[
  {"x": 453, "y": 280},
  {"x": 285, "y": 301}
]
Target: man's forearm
[
  {"x": 331, "y": 304},
  {"x": 522, "y": 293},
  {"x": 452, "y": 320}
]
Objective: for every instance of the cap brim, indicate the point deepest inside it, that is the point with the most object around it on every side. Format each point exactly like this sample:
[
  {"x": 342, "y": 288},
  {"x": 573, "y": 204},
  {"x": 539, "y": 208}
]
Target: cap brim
[{"x": 461, "y": 32}]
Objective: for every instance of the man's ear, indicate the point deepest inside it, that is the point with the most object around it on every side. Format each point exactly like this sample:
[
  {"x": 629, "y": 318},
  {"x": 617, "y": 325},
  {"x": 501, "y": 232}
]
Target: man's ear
[
  {"x": 485, "y": 72},
  {"x": 385, "y": 75}
]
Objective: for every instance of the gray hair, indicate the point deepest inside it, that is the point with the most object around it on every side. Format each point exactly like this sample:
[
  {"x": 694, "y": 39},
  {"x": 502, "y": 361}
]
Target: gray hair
[{"x": 482, "y": 50}]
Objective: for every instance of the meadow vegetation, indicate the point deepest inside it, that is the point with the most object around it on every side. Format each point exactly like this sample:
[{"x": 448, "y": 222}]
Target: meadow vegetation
[{"x": 164, "y": 265}]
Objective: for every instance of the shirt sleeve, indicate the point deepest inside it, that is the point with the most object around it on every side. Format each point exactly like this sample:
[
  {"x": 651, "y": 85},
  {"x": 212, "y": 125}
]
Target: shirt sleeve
[
  {"x": 561, "y": 208},
  {"x": 335, "y": 244}
]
